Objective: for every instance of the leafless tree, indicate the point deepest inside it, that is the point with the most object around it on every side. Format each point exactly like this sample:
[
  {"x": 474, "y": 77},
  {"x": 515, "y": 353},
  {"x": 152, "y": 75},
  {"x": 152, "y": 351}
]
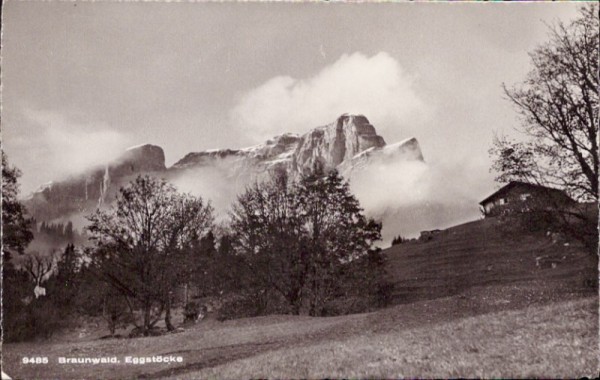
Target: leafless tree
[
  {"x": 38, "y": 267},
  {"x": 558, "y": 105},
  {"x": 138, "y": 242},
  {"x": 267, "y": 226},
  {"x": 298, "y": 237}
]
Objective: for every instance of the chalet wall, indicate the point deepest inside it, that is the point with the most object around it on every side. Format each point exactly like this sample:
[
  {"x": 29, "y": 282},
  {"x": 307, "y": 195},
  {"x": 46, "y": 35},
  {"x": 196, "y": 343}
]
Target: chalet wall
[{"x": 523, "y": 198}]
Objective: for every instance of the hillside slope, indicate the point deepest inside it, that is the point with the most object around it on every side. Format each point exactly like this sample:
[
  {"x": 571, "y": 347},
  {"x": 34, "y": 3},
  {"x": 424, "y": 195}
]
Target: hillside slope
[
  {"x": 469, "y": 303},
  {"x": 485, "y": 253}
]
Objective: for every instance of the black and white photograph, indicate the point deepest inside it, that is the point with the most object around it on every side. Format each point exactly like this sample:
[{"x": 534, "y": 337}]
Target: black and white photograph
[{"x": 299, "y": 189}]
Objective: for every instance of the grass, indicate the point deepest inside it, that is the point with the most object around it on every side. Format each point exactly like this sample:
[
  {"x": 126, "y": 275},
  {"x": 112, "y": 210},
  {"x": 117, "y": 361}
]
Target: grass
[
  {"x": 470, "y": 303},
  {"x": 560, "y": 340},
  {"x": 482, "y": 253},
  {"x": 415, "y": 340}
]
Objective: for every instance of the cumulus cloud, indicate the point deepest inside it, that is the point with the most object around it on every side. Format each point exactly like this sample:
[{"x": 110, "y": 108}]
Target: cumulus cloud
[
  {"x": 408, "y": 196},
  {"x": 376, "y": 86},
  {"x": 65, "y": 147}
]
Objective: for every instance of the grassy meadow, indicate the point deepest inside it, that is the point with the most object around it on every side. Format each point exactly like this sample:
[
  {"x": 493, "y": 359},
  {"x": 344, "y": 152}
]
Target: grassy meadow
[{"x": 469, "y": 303}]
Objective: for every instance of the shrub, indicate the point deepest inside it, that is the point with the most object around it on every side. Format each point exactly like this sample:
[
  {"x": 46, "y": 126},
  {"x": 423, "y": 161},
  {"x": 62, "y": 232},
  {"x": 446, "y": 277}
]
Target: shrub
[
  {"x": 191, "y": 312},
  {"x": 384, "y": 293},
  {"x": 252, "y": 304},
  {"x": 39, "y": 319}
]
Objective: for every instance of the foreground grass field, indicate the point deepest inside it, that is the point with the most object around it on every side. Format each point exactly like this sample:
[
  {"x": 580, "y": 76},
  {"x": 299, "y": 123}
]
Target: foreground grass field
[
  {"x": 556, "y": 340},
  {"x": 469, "y": 303}
]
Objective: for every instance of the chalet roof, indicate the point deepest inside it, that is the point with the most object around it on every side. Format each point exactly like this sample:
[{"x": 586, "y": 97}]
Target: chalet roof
[{"x": 506, "y": 188}]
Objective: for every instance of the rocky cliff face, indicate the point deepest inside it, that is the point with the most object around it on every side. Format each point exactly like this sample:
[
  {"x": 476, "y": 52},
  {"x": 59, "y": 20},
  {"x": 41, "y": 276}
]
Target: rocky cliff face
[
  {"x": 349, "y": 144},
  {"x": 85, "y": 192},
  {"x": 336, "y": 143},
  {"x": 334, "y": 146}
]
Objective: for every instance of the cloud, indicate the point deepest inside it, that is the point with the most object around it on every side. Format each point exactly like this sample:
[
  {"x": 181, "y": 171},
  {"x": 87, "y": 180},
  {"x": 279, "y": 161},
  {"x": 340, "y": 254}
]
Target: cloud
[
  {"x": 384, "y": 185},
  {"x": 411, "y": 196},
  {"x": 407, "y": 196},
  {"x": 376, "y": 87},
  {"x": 217, "y": 184},
  {"x": 66, "y": 148}
]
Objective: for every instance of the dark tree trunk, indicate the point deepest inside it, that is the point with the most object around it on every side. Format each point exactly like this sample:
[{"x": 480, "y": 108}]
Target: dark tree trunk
[
  {"x": 113, "y": 324},
  {"x": 147, "y": 322},
  {"x": 168, "y": 323},
  {"x": 296, "y": 305},
  {"x": 294, "y": 300}
]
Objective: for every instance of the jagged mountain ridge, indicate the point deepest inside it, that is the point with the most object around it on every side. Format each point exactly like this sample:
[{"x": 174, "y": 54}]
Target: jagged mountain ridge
[
  {"x": 331, "y": 144},
  {"x": 348, "y": 144}
]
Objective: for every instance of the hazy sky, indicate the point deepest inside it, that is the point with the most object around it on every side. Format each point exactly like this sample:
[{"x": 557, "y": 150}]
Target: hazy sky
[{"x": 82, "y": 81}]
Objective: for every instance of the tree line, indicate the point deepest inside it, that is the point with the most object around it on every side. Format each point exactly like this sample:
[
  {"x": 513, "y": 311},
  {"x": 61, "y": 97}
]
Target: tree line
[{"x": 295, "y": 247}]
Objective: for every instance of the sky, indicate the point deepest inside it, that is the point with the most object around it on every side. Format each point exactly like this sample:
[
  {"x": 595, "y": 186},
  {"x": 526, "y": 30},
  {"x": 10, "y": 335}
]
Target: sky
[{"x": 81, "y": 81}]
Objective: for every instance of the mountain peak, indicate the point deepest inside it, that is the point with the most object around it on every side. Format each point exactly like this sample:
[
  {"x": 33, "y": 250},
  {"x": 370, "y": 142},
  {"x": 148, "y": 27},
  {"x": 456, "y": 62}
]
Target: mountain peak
[
  {"x": 337, "y": 142},
  {"x": 358, "y": 121}
]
